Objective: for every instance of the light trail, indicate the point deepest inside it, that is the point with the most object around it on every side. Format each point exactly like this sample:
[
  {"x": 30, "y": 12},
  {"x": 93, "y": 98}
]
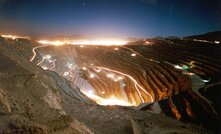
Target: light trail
[
  {"x": 41, "y": 61},
  {"x": 206, "y": 41},
  {"x": 44, "y": 57},
  {"x": 137, "y": 86},
  {"x": 53, "y": 62},
  {"x": 44, "y": 67},
  {"x": 134, "y": 53},
  {"x": 34, "y": 51}
]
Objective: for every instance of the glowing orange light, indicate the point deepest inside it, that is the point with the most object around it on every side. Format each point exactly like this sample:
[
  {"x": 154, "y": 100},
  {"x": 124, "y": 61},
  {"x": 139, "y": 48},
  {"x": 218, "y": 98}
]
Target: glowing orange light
[
  {"x": 137, "y": 86},
  {"x": 84, "y": 68},
  {"x": 14, "y": 37},
  {"x": 147, "y": 42},
  {"x": 47, "y": 42},
  {"x": 92, "y": 76},
  {"x": 101, "y": 42},
  {"x": 108, "y": 101}
]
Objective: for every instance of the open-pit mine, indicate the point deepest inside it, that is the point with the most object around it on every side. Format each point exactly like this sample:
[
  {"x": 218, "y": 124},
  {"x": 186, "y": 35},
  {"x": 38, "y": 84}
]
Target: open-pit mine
[{"x": 169, "y": 85}]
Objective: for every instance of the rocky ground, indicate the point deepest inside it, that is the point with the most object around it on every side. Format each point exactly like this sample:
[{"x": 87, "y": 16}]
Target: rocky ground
[{"x": 33, "y": 100}]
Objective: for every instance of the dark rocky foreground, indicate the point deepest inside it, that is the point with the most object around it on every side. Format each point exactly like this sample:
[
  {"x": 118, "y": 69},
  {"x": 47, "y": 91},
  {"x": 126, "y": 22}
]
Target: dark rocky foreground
[{"x": 33, "y": 100}]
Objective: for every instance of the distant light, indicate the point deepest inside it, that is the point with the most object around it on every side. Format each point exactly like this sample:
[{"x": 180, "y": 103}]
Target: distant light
[
  {"x": 101, "y": 42},
  {"x": 47, "y": 57},
  {"x": 217, "y": 42},
  {"x": 184, "y": 67},
  {"x": 119, "y": 77},
  {"x": 133, "y": 54},
  {"x": 84, "y": 68},
  {"x": 107, "y": 101},
  {"x": 98, "y": 70},
  {"x": 147, "y": 42},
  {"x": 45, "y": 68},
  {"x": 70, "y": 65},
  {"x": 178, "y": 67},
  {"x": 92, "y": 76},
  {"x": 110, "y": 76},
  {"x": 14, "y": 37},
  {"x": 206, "y": 81},
  {"x": 116, "y": 48},
  {"x": 66, "y": 73},
  {"x": 189, "y": 73},
  {"x": 81, "y": 46},
  {"x": 55, "y": 43},
  {"x": 90, "y": 92}
]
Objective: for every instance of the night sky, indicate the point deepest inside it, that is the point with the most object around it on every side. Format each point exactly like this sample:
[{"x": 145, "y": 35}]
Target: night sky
[{"x": 116, "y": 18}]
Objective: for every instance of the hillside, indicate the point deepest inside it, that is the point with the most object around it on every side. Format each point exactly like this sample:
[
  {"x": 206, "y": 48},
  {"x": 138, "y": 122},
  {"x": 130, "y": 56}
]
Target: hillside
[{"x": 211, "y": 36}]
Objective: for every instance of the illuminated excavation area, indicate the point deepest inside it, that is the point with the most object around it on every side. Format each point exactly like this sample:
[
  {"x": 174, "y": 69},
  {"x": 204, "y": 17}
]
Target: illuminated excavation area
[
  {"x": 128, "y": 75},
  {"x": 179, "y": 78},
  {"x": 98, "y": 79}
]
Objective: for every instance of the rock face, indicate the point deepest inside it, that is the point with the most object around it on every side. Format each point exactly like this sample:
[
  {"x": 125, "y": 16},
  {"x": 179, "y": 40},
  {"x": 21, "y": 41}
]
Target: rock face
[
  {"x": 197, "y": 105},
  {"x": 5, "y": 107},
  {"x": 152, "y": 126},
  {"x": 67, "y": 88},
  {"x": 33, "y": 100},
  {"x": 30, "y": 99}
]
